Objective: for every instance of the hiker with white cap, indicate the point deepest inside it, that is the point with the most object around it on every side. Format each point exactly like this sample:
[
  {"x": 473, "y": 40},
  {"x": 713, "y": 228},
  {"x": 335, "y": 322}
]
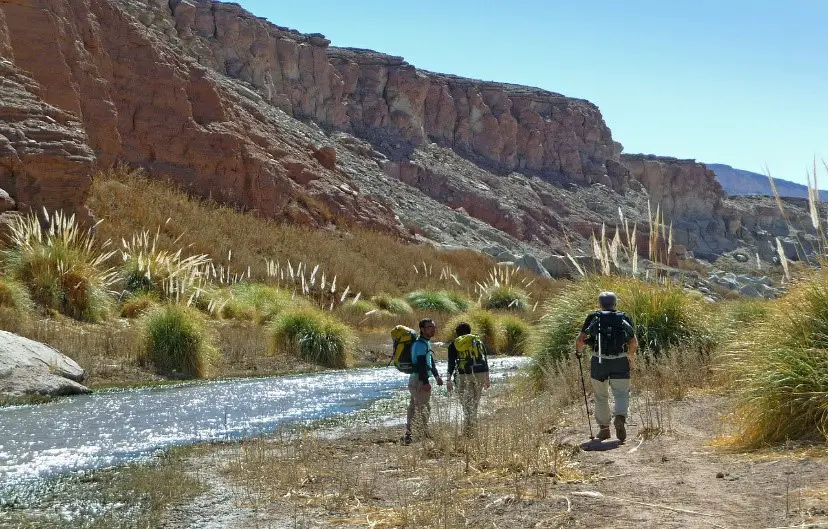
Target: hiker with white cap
[{"x": 611, "y": 335}]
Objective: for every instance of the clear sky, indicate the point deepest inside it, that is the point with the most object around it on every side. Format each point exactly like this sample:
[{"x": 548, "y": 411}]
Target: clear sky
[{"x": 740, "y": 82}]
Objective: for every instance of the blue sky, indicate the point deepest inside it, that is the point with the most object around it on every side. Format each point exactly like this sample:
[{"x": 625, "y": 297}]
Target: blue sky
[{"x": 741, "y": 82}]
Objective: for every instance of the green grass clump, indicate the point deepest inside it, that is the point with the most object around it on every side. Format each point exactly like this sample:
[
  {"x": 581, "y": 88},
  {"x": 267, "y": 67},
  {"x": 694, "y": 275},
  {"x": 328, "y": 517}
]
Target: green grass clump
[
  {"x": 14, "y": 295},
  {"x": 254, "y": 302},
  {"x": 432, "y": 300},
  {"x": 505, "y": 297},
  {"x": 516, "y": 334},
  {"x": 781, "y": 367},
  {"x": 62, "y": 266},
  {"x": 177, "y": 342},
  {"x": 391, "y": 304},
  {"x": 665, "y": 316},
  {"x": 484, "y": 323},
  {"x": 462, "y": 302},
  {"x": 313, "y": 335}
]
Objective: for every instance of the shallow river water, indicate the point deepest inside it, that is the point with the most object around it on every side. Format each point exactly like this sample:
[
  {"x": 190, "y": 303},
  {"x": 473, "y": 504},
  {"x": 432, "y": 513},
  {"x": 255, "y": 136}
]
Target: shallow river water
[{"x": 115, "y": 427}]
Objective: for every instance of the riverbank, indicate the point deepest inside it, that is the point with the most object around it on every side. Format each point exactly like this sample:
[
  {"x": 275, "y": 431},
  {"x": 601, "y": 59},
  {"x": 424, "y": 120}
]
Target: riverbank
[{"x": 527, "y": 468}]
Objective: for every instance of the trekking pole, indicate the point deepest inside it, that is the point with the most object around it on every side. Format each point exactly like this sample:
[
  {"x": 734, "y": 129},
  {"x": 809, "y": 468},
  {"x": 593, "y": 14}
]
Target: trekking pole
[{"x": 586, "y": 402}]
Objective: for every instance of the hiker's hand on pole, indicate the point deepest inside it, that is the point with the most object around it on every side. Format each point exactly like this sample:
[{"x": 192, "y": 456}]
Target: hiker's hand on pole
[
  {"x": 439, "y": 380},
  {"x": 449, "y": 386},
  {"x": 427, "y": 387}
]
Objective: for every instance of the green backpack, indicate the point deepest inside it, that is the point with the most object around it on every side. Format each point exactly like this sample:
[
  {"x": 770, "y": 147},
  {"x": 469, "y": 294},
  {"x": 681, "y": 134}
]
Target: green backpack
[
  {"x": 470, "y": 352},
  {"x": 403, "y": 338}
]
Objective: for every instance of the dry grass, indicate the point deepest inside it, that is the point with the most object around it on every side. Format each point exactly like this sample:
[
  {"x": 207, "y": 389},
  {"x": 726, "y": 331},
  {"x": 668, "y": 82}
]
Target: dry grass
[
  {"x": 369, "y": 262},
  {"x": 439, "y": 482}
]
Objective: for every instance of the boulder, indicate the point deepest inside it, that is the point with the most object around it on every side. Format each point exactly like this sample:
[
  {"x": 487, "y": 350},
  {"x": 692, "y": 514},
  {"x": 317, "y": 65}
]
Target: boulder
[
  {"x": 530, "y": 262},
  {"x": 28, "y": 367},
  {"x": 558, "y": 266}
]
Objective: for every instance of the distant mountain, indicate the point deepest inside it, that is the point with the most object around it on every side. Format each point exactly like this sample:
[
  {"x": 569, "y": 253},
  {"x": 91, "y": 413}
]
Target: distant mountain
[{"x": 741, "y": 182}]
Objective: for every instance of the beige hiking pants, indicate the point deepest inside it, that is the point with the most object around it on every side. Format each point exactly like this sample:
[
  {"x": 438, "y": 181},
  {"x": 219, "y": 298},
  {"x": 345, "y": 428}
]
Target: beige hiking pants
[
  {"x": 419, "y": 408},
  {"x": 470, "y": 389},
  {"x": 621, "y": 393}
]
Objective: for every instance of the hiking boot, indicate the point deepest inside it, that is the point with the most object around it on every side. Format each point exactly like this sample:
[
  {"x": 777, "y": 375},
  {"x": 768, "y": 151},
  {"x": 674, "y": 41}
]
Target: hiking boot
[
  {"x": 603, "y": 433},
  {"x": 620, "y": 429},
  {"x": 406, "y": 440}
]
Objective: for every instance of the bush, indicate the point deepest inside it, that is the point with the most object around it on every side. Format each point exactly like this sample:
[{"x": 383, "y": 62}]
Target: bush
[
  {"x": 781, "y": 367},
  {"x": 13, "y": 295},
  {"x": 177, "y": 342},
  {"x": 664, "y": 316},
  {"x": 392, "y": 304},
  {"x": 505, "y": 297},
  {"x": 432, "y": 300},
  {"x": 516, "y": 334},
  {"x": 62, "y": 267},
  {"x": 484, "y": 324},
  {"x": 314, "y": 336}
]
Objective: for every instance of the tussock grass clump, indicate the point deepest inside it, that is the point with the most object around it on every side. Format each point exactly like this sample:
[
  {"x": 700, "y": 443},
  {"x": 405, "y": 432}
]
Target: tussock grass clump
[
  {"x": 177, "y": 341},
  {"x": 665, "y": 317},
  {"x": 255, "y": 302},
  {"x": 462, "y": 302},
  {"x": 62, "y": 266},
  {"x": 392, "y": 304},
  {"x": 13, "y": 295},
  {"x": 781, "y": 367},
  {"x": 149, "y": 268},
  {"x": 432, "y": 300},
  {"x": 484, "y": 323},
  {"x": 138, "y": 305},
  {"x": 313, "y": 335},
  {"x": 505, "y": 297},
  {"x": 516, "y": 335}
]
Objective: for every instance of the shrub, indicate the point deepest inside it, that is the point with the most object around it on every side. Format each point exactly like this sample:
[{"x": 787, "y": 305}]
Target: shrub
[
  {"x": 432, "y": 300},
  {"x": 314, "y": 336},
  {"x": 484, "y": 323},
  {"x": 505, "y": 297},
  {"x": 177, "y": 342},
  {"x": 516, "y": 333},
  {"x": 782, "y": 369},
  {"x": 664, "y": 316},
  {"x": 13, "y": 295},
  {"x": 62, "y": 266},
  {"x": 137, "y": 305},
  {"x": 391, "y": 304}
]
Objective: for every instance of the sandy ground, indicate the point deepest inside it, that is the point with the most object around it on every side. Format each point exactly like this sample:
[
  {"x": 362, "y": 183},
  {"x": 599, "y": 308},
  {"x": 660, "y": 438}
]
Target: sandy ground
[{"x": 676, "y": 479}]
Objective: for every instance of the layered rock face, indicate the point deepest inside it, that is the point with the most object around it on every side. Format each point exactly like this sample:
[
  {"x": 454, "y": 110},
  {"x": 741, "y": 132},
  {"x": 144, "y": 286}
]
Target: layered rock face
[
  {"x": 398, "y": 107},
  {"x": 266, "y": 119},
  {"x": 683, "y": 188},
  {"x": 45, "y": 159},
  {"x": 103, "y": 73}
]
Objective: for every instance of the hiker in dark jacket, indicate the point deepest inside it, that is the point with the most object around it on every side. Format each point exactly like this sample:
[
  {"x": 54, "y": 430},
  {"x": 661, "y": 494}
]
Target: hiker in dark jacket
[
  {"x": 472, "y": 376},
  {"x": 419, "y": 386},
  {"x": 611, "y": 336}
]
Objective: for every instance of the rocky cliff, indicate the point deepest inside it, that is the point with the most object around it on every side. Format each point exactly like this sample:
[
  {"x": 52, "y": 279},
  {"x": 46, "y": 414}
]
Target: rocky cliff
[
  {"x": 266, "y": 119},
  {"x": 399, "y": 107}
]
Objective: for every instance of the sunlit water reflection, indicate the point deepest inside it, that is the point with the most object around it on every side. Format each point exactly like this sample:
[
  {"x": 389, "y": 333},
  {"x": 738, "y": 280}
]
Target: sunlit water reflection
[{"x": 111, "y": 428}]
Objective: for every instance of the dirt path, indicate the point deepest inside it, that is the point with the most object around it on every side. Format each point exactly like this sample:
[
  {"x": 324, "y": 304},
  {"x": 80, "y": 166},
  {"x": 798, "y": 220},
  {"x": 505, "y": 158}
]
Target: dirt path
[
  {"x": 677, "y": 480},
  {"x": 673, "y": 480}
]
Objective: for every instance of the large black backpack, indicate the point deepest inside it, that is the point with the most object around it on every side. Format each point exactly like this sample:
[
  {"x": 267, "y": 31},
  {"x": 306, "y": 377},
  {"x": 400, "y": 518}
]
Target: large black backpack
[{"x": 609, "y": 332}]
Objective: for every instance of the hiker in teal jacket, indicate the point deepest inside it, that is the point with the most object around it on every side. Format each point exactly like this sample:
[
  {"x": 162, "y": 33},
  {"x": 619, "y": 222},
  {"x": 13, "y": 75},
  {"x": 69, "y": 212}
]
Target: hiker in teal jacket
[{"x": 419, "y": 386}]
